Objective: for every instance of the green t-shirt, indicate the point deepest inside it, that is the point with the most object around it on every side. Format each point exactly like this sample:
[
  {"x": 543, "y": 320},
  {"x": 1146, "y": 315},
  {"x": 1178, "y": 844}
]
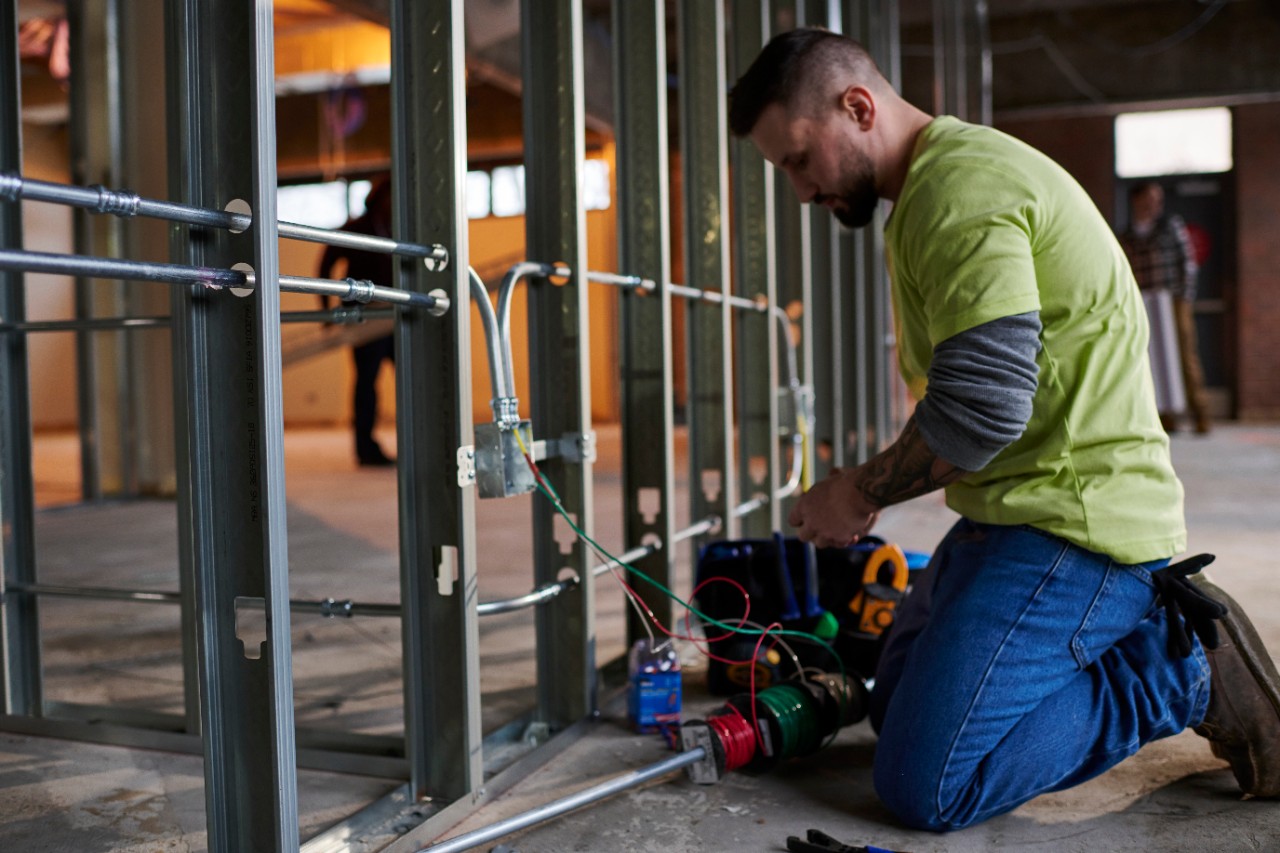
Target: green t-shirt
[{"x": 986, "y": 227}]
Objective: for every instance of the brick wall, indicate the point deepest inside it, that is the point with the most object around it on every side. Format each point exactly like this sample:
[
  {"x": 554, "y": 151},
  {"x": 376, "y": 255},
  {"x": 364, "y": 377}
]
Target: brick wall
[
  {"x": 1257, "y": 164},
  {"x": 1084, "y": 146}
]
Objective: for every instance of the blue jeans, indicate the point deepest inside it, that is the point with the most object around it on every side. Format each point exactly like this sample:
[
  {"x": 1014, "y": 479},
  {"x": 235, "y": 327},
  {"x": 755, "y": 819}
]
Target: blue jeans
[{"x": 1021, "y": 664}]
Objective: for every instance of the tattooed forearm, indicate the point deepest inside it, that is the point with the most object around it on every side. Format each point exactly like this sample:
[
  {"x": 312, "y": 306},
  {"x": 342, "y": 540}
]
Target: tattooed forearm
[{"x": 906, "y": 469}]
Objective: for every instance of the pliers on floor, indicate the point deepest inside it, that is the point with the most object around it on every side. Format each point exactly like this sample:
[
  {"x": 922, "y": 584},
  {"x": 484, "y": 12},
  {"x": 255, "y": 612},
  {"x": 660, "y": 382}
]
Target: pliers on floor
[{"x": 816, "y": 841}]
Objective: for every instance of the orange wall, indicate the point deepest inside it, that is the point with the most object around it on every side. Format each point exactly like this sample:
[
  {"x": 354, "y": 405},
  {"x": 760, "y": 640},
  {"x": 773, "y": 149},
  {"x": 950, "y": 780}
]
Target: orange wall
[
  {"x": 507, "y": 234},
  {"x": 318, "y": 391}
]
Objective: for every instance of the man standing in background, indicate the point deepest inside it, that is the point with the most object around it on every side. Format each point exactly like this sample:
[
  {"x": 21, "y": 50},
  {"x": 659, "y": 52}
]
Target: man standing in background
[
  {"x": 375, "y": 267},
  {"x": 1164, "y": 263}
]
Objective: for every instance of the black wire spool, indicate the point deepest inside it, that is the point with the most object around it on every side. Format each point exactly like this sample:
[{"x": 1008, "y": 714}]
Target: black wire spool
[{"x": 845, "y": 696}]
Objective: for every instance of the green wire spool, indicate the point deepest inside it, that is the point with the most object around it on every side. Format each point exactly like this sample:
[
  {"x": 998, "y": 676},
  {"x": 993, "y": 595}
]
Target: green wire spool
[{"x": 797, "y": 719}]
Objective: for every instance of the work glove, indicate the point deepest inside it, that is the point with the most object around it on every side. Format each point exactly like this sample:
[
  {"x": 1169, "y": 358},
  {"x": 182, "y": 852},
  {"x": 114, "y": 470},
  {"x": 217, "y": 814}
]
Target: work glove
[{"x": 1181, "y": 597}]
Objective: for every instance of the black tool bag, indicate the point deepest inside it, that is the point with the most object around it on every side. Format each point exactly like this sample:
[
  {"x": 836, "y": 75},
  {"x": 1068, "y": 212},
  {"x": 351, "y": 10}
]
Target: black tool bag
[{"x": 859, "y": 586}]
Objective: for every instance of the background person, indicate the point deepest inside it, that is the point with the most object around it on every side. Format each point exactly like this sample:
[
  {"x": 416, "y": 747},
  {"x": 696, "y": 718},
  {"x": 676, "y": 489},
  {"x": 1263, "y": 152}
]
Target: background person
[
  {"x": 1163, "y": 259},
  {"x": 368, "y": 357}
]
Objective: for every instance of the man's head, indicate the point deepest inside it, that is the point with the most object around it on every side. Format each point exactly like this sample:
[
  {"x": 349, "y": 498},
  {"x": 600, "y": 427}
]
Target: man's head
[
  {"x": 1146, "y": 201},
  {"x": 809, "y": 103}
]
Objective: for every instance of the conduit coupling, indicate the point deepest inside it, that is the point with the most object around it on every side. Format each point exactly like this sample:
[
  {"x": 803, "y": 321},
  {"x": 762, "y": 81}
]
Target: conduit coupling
[
  {"x": 10, "y": 186},
  {"x": 125, "y": 203},
  {"x": 116, "y": 202},
  {"x": 360, "y": 291}
]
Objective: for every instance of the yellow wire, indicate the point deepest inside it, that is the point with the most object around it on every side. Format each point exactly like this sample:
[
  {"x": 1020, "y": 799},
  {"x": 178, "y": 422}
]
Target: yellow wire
[{"x": 806, "y": 470}]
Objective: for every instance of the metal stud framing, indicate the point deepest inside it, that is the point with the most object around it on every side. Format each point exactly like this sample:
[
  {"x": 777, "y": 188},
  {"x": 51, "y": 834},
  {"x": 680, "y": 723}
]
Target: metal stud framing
[
  {"x": 555, "y": 231},
  {"x": 227, "y": 373},
  {"x": 95, "y": 159},
  {"x": 824, "y": 356},
  {"x": 755, "y": 277},
  {"x": 867, "y": 410},
  {"x": 433, "y": 406},
  {"x": 231, "y": 483},
  {"x": 20, "y": 692},
  {"x": 962, "y": 60},
  {"x": 713, "y": 474},
  {"x": 648, "y": 477}
]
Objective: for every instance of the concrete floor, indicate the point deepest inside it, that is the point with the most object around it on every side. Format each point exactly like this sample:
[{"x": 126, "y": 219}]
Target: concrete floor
[{"x": 60, "y": 795}]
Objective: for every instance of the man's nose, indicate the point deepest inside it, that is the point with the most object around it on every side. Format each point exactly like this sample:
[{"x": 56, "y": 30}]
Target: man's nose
[{"x": 805, "y": 189}]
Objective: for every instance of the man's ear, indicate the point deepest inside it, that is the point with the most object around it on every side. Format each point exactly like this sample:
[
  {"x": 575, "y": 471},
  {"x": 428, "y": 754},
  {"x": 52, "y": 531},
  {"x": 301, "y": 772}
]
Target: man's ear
[{"x": 859, "y": 105}]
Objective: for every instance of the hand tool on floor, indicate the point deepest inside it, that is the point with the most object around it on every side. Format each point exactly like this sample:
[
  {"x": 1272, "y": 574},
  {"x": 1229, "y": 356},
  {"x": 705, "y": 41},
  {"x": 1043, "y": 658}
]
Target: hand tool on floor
[{"x": 816, "y": 841}]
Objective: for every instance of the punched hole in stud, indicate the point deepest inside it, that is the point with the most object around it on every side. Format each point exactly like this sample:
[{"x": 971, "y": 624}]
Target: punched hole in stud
[
  {"x": 447, "y": 571},
  {"x": 251, "y": 625},
  {"x": 242, "y": 291},
  {"x": 564, "y": 534},
  {"x": 710, "y": 484},
  {"x": 556, "y": 277},
  {"x": 239, "y": 205},
  {"x": 648, "y": 502}
]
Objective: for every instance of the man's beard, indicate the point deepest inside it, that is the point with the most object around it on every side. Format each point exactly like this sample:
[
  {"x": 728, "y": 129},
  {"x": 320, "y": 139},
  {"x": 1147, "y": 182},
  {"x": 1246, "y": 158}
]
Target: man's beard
[{"x": 857, "y": 199}]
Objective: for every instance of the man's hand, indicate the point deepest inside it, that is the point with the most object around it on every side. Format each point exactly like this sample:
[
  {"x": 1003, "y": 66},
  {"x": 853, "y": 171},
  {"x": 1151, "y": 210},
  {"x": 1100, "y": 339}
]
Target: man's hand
[
  {"x": 835, "y": 512},
  {"x": 844, "y": 507}
]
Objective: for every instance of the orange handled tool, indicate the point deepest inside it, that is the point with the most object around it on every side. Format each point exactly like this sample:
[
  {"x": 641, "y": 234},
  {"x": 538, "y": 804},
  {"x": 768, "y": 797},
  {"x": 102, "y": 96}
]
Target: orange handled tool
[{"x": 876, "y": 601}]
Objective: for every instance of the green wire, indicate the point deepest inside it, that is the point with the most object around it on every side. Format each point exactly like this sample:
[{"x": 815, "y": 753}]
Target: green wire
[
  {"x": 549, "y": 492},
  {"x": 797, "y": 720}
]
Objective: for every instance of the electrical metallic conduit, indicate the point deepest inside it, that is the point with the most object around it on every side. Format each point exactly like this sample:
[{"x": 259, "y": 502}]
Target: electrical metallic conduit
[
  {"x": 793, "y": 377},
  {"x": 351, "y": 290},
  {"x": 127, "y": 204},
  {"x": 348, "y": 608},
  {"x": 501, "y": 374},
  {"x": 344, "y": 315},
  {"x": 504, "y": 398},
  {"x": 567, "y": 804}
]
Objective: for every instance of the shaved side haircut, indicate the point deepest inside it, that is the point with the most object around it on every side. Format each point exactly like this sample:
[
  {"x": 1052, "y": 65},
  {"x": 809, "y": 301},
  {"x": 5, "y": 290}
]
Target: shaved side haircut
[{"x": 798, "y": 70}]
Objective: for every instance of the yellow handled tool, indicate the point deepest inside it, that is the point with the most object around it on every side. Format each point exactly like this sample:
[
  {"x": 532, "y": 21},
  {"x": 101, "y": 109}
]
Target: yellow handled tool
[{"x": 876, "y": 601}]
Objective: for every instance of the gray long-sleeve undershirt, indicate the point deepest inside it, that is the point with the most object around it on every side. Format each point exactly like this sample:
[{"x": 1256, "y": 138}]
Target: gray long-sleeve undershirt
[{"x": 981, "y": 383}]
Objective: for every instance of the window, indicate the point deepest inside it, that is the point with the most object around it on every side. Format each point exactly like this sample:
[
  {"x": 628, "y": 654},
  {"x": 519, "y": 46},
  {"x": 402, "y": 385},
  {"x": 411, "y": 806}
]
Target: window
[
  {"x": 324, "y": 205},
  {"x": 595, "y": 185},
  {"x": 1173, "y": 142},
  {"x": 499, "y": 192},
  {"x": 508, "y": 190},
  {"x": 477, "y": 195}
]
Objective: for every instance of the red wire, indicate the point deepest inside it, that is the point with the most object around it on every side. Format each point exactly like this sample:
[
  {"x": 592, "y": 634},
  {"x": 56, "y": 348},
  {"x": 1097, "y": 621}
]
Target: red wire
[
  {"x": 635, "y": 596},
  {"x": 657, "y": 624},
  {"x": 755, "y": 655},
  {"x": 746, "y": 600},
  {"x": 735, "y": 734}
]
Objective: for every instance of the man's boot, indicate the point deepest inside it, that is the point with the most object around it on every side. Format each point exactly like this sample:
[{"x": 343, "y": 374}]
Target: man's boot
[{"x": 1243, "y": 719}]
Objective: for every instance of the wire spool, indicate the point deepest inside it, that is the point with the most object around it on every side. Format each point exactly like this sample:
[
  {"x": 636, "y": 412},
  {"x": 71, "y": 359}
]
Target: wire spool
[
  {"x": 736, "y": 737},
  {"x": 767, "y": 737},
  {"x": 827, "y": 711},
  {"x": 726, "y": 738},
  {"x": 846, "y": 695},
  {"x": 794, "y": 711}
]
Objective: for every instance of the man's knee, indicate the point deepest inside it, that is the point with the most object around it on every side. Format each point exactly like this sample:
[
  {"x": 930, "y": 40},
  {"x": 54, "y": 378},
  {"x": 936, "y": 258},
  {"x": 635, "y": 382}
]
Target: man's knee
[{"x": 915, "y": 798}]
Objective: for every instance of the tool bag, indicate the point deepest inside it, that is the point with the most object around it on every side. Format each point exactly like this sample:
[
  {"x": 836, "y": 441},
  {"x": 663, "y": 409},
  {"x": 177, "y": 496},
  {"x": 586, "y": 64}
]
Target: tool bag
[{"x": 846, "y": 596}]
